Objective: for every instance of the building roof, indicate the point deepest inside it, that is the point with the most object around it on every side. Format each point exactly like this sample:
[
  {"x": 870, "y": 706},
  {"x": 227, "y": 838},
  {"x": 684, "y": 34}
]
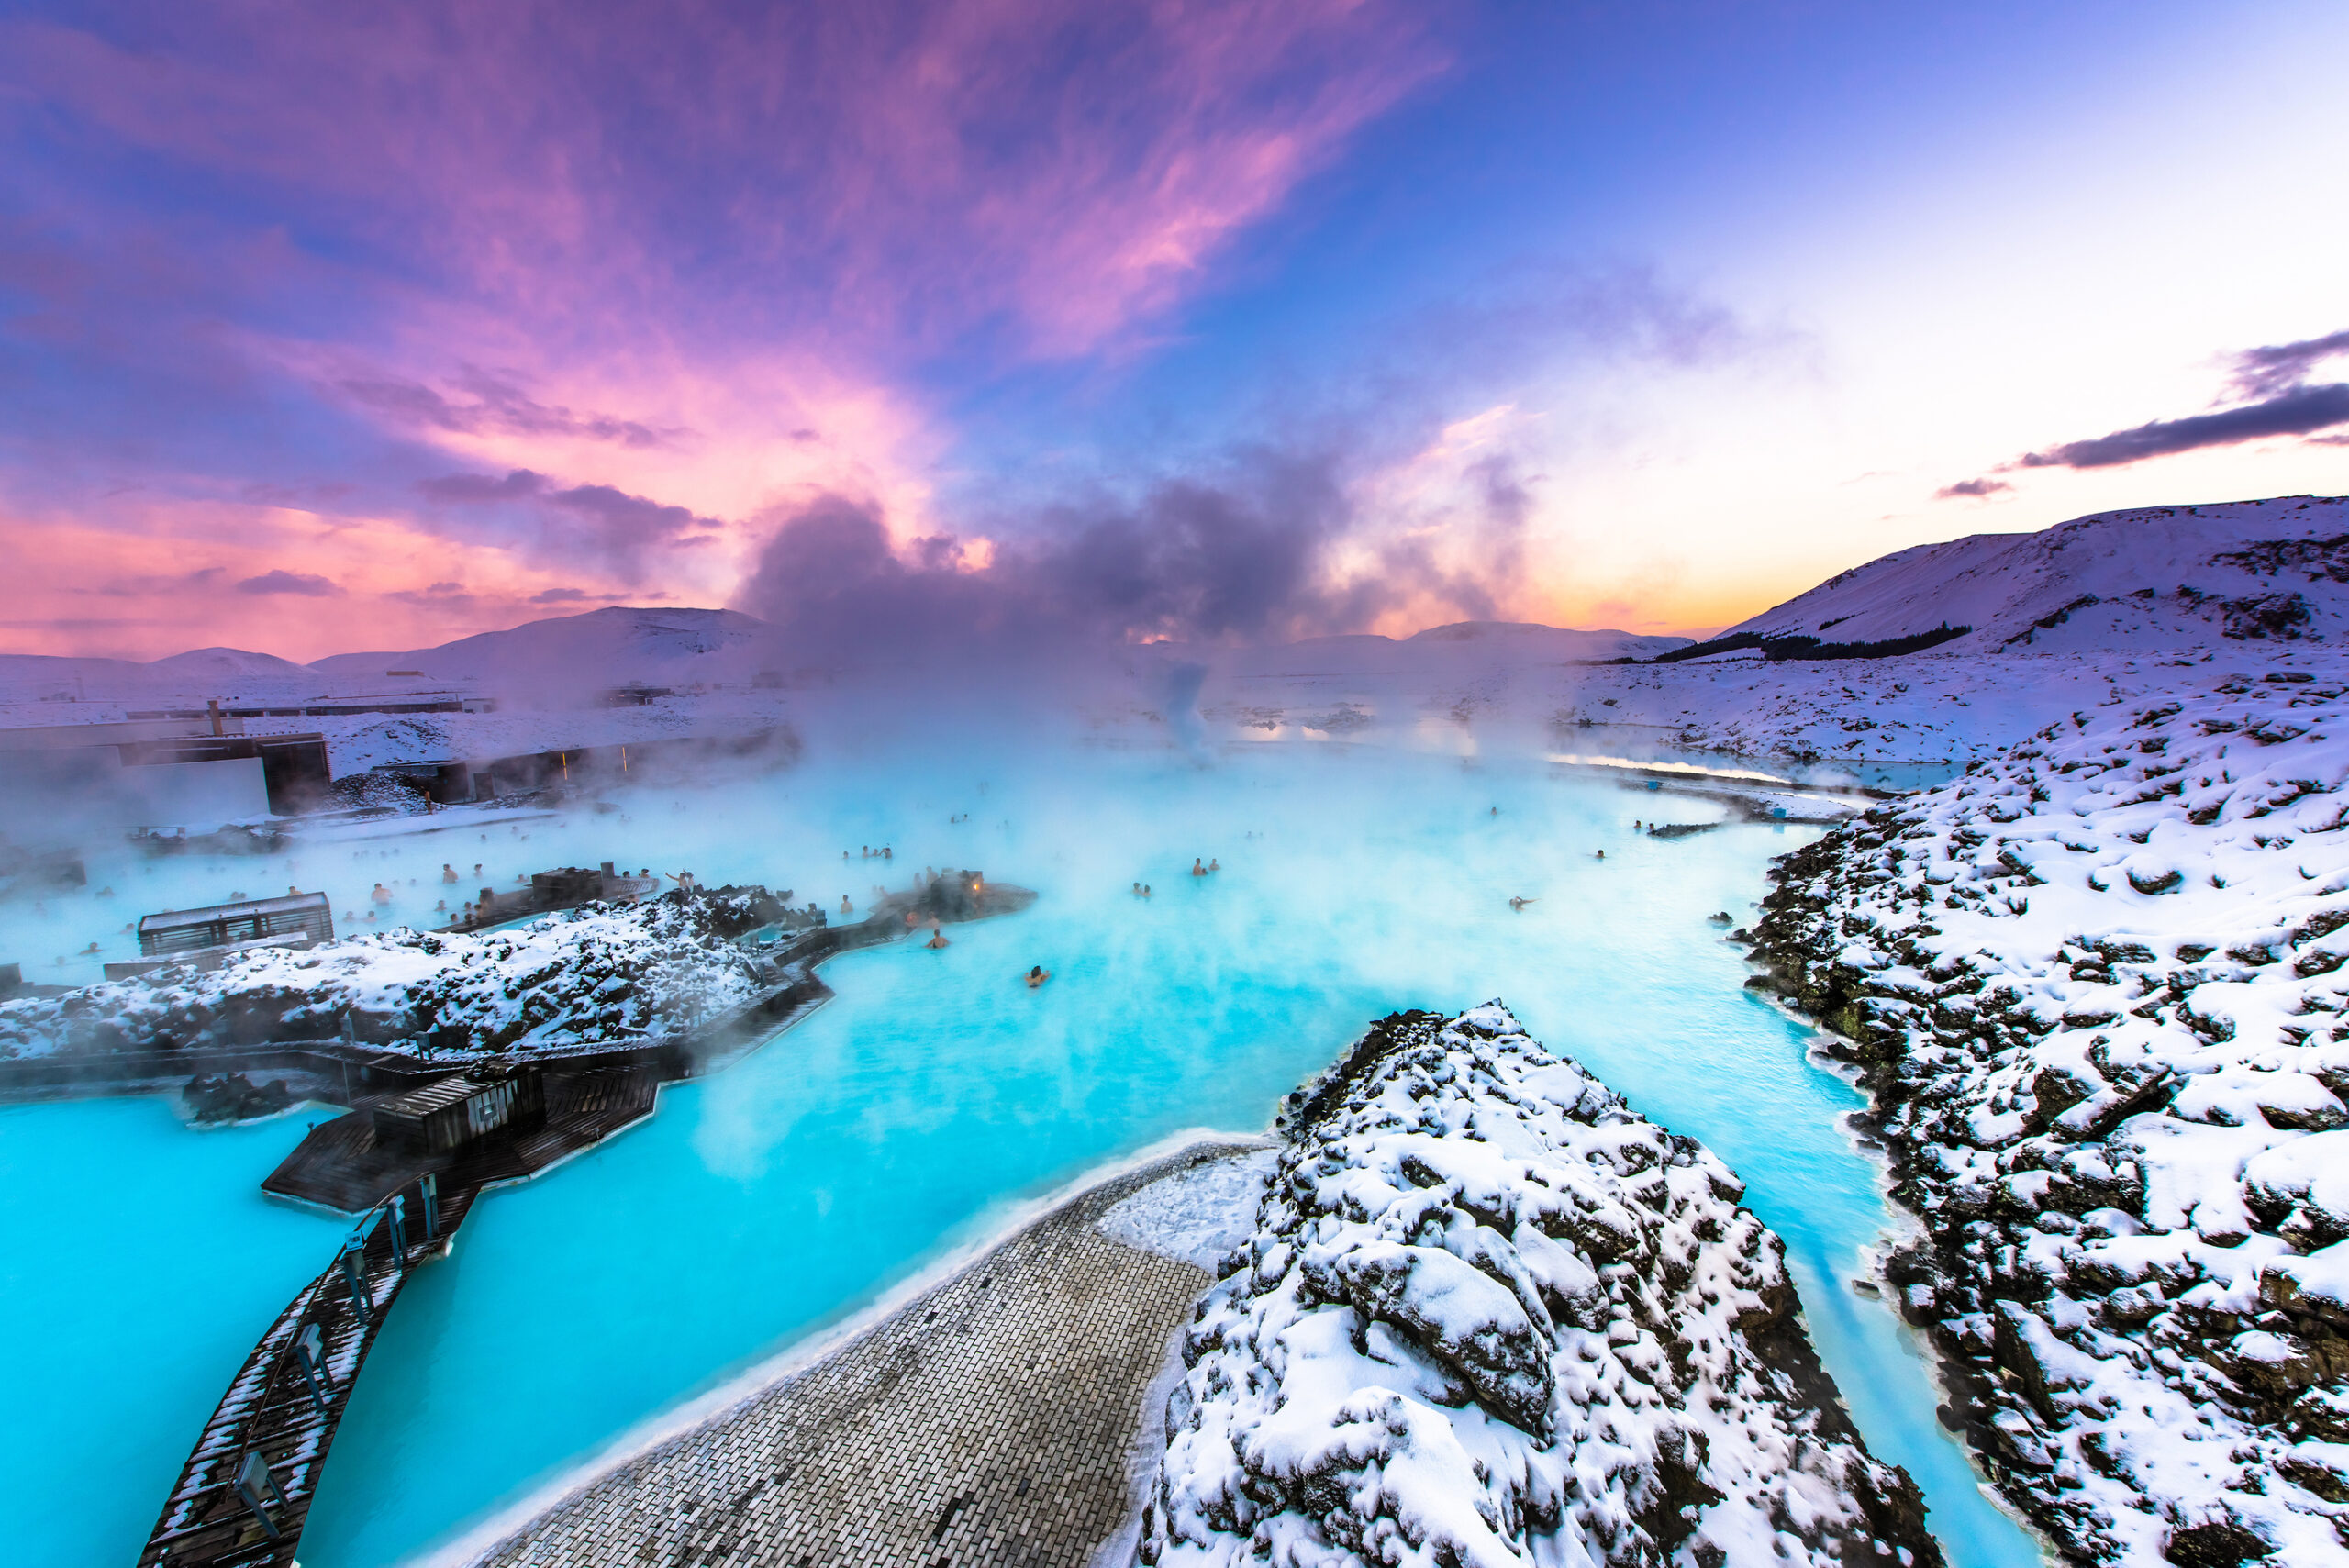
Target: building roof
[
  {"x": 291, "y": 904},
  {"x": 426, "y": 1098}
]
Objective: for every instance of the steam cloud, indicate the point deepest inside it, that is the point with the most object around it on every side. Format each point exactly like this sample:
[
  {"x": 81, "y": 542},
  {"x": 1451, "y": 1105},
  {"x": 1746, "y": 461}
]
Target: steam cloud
[{"x": 1243, "y": 560}]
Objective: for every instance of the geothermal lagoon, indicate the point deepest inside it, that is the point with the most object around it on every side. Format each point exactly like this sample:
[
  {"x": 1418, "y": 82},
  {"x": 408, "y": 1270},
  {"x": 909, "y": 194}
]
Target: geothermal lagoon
[{"x": 920, "y": 1111}]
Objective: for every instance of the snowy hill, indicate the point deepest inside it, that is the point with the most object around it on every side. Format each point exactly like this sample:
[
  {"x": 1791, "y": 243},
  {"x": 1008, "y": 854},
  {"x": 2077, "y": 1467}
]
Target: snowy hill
[
  {"x": 213, "y": 666},
  {"x": 2162, "y": 577},
  {"x": 190, "y": 677},
  {"x": 1459, "y": 646},
  {"x": 596, "y": 651}
]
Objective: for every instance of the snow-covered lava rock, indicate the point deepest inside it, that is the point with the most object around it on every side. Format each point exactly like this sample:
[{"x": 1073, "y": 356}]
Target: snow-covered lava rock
[
  {"x": 1490, "y": 1315},
  {"x": 2097, "y": 989},
  {"x": 602, "y": 974}
]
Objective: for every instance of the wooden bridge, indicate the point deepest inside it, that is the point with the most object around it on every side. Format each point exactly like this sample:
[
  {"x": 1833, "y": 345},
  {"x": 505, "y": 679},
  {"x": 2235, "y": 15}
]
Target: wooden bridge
[{"x": 245, "y": 1494}]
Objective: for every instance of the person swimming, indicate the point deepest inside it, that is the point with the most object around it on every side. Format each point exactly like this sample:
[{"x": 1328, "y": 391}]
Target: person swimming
[
  {"x": 1199, "y": 868},
  {"x": 1145, "y": 890},
  {"x": 382, "y": 894},
  {"x": 1520, "y": 904},
  {"x": 937, "y": 938},
  {"x": 448, "y": 872},
  {"x": 844, "y": 904},
  {"x": 1214, "y": 866},
  {"x": 1038, "y": 975},
  {"x": 1602, "y": 854}
]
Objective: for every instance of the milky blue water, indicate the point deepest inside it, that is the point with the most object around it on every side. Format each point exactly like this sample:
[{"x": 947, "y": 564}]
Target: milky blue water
[{"x": 937, "y": 1091}]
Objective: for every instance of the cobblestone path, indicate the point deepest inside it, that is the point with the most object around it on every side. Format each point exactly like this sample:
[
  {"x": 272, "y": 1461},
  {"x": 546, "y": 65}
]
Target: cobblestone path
[{"x": 989, "y": 1422}]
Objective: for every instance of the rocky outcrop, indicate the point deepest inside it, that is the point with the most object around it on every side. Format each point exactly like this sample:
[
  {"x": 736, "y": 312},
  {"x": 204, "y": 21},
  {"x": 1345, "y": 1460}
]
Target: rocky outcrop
[
  {"x": 2094, "y": 988},
  {"x": 1491, "y": 1316},
  {"x": 605, "y": 973}
]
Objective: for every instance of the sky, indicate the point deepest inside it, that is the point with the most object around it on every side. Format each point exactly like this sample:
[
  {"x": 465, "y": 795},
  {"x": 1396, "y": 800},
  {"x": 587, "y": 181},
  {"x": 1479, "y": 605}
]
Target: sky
[{"x": 332, "y": 328}]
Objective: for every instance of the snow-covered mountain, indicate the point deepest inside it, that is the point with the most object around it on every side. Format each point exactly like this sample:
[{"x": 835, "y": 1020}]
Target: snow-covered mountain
[
  {"x": 190, "y": 676},
  {"x": 2159, "y": 577},
  {"x": 597, "y": 651},
  {"x": 1459, "y": 646}
]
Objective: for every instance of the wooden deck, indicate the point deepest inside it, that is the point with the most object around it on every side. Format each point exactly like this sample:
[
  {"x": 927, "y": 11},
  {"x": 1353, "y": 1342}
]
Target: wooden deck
[{"x": 341, "y": 1165}]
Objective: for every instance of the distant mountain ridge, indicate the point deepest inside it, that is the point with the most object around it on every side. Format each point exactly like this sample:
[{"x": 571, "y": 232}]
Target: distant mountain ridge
[
  {"x": 602, "y": 648},
  {"x": 2154, "y": 577},
  {"x": 2145, "y": 578},
  {"x": 1474, "y": 641},
  {"x": 568, "y": 657}
]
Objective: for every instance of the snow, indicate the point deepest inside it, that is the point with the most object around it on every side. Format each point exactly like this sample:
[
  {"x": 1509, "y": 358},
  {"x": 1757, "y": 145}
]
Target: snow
[
  {"x": 2150, "y": 578},
  {"x": 1488, "y": 1315},
  {"x": 2097, "y": 986},
  {"x": 604, "y": 975}
]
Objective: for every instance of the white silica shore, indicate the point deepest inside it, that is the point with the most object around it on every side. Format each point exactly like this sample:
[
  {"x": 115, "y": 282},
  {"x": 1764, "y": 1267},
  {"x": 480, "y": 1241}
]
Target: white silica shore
[
  {"x": 2098, "y": 989},
  {"x": 1196, "y": 1214},
  {"x": 1488, "y": 1315}
]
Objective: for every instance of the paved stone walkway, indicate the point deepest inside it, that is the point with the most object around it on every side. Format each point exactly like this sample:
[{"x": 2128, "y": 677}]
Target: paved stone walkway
[{"x": 989, "y": 1422}]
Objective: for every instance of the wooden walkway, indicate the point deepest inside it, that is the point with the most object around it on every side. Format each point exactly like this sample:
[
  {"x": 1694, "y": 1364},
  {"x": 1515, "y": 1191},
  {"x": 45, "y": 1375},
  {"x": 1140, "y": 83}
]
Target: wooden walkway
[{"x": 275, "y": 1412}]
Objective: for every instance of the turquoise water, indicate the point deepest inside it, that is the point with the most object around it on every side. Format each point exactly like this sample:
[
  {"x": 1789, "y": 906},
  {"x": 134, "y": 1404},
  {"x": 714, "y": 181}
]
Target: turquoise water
[
  {"x": 141, "y": 1262},
  {"x": 908, "y": 1115}
]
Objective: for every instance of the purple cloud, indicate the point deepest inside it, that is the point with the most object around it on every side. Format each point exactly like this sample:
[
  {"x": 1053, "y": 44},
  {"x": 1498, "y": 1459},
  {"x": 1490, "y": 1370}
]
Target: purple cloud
[
  {"x": 2263, "y": 373},
  {"x": 306, "y": 585},
  {"x": 601, "y": 520},
  {"x": 1971, "y": 487},
  {"x": 468, "y": 489},
  {"x": 496, "y": 406},
  {"x": 2295, "y": 412},
  {"x": 557, "y": 597}
]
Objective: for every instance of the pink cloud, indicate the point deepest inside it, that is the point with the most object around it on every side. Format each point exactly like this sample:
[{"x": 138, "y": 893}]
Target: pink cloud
[
  {"x": 902, "y": 173},
  {"x": 687, "y": 264},
  {"x": 158, "y": 577}
]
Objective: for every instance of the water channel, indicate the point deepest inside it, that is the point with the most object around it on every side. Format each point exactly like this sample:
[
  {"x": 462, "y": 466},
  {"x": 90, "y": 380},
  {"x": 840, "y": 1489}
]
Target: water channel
[{"x": 913, "y": 1113}]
